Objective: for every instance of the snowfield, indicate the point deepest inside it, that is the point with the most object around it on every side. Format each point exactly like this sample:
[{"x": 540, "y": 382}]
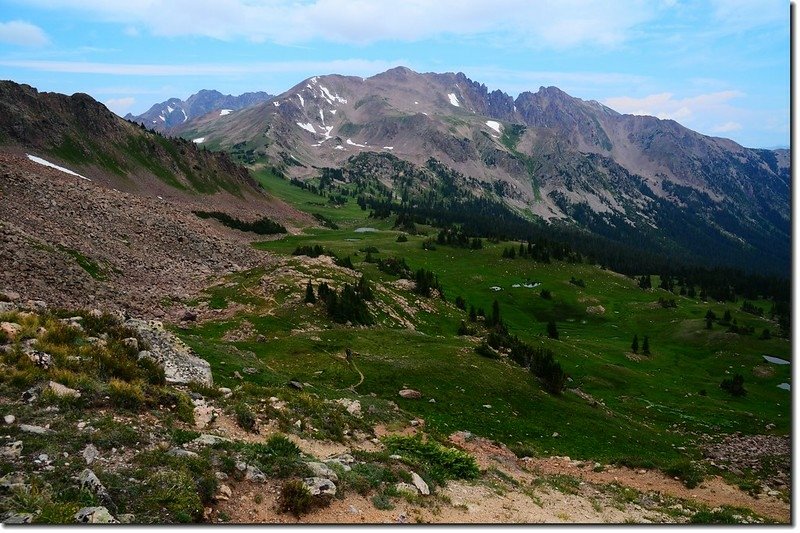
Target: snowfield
[
  {"x": 496, "y": 126},
  {"x": 453, "y": 99},
  {"x": 198, "y": 140},
  {"x": 308, "y": 127},
  {"x": 223, "y": 112},
  {"x": 52, "y": 165}
]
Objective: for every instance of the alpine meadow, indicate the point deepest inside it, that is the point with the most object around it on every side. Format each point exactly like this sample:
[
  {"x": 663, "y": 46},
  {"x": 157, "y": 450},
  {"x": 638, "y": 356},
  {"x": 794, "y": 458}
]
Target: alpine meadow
[{"x": 256, "y": 270}]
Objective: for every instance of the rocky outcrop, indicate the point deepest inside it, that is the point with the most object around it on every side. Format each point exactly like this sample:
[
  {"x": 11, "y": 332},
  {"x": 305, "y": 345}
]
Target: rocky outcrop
[{"x": 180, "y": 363}]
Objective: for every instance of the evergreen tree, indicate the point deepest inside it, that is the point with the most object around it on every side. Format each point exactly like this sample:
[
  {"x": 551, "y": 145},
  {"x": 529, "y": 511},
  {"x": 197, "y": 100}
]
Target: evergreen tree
[
  {"x": 646, "y": 346},
  {"x": 552, "y": 331},
  {"x": 473, "y": 316},
  {"x": 494, "y": 320},
  {"x": 727, "y": 316},
  {"x": 635, "y": 344},
  {"x": 310, "y": 298},
  {"x": 463, "y": 329},
  {"x": 709, "y": 323},
  {"x": 460, "y": 303}
]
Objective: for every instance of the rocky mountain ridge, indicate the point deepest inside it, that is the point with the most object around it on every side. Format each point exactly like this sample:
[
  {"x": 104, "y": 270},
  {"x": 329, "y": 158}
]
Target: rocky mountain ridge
[
  {"x": 165, "y": 116},
  {"x": 554, "y": 156}
]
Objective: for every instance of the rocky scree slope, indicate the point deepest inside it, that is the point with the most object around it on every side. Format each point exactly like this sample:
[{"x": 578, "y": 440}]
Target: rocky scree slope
[
  {"x": 550, "y": 154},
  {"x": 84, "y": 245}
]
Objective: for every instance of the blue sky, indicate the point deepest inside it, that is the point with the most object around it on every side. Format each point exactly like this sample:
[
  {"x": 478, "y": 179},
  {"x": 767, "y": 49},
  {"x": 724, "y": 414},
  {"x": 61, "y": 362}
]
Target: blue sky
[{"x": 720, "y": 67}]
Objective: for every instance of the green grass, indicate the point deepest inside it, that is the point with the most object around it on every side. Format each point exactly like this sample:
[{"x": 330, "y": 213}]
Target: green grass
[
  {"x": 653, "y": 405},
  {"x": 85, "y": 263}
]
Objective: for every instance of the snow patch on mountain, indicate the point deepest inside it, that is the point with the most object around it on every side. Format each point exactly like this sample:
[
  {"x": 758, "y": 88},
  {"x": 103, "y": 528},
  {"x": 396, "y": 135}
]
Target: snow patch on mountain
[
  {"x": 308, "y": 127},
  {"x": 351, "y": 143},
  {"x": 198, "y": 140},
  {"x": 170, "y": 109},
  {"x": 302, "y": 102},
  {"x": 332, "y": 97},
  {"x": 223, "y": 112},
  {"x": 496, "y": 126},
  {"x": 53, "y": 165},
  {"x": 453, "y": 99}
]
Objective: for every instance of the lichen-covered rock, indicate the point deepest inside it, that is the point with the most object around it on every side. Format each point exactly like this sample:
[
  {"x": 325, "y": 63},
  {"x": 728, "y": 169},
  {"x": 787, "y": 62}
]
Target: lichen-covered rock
[
  {"x": 95, "y": 515},
  {"x": 410, "y": 394},
  {"x": 320, "y": 487},
  {"x": 180, "y": 364},
  {"x": 322, "y": 470}
]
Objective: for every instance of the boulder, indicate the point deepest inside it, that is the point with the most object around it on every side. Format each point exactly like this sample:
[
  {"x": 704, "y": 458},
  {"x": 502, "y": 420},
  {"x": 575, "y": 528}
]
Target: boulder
[
  {"x": 90, "y": 453},
  {"x": 62, "y": 391},
  {"x": 180, "y": 452},
  {"x": 224, "y": 493},
  {"x": 95, "y": 515},
  {"x": 88, "y": 480},
  {"x": 420, "y": 484},
  {"x": 410, "y": 394},
  {"x": 253, "y": 473},
  {"x": 295, "y": 385},
  {"x": 12, "y": 450},
  {"x": 209, "y": 440},
  {"x": 9, "y": 419},
  {"x": 407, "y": 488},
  {"x": 131, "y": 342},
  {"x": 320, "y": 487},
  {"x": 322, "y": 470},
  {"x": 18, "y": 518},
  {"x": 11, "y": 329},
  {"x": 181, "y": 364},
  {"x": 36, "y": 430}
]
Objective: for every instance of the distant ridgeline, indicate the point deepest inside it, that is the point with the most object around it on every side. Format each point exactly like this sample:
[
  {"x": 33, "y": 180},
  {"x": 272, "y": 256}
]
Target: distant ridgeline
[{"x": 439, "y": 196}]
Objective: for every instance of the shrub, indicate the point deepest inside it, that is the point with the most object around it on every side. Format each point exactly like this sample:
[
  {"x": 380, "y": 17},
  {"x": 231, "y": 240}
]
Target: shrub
[
  {"x": 690, "y": 474},
  {"x": 735, "y": 386},
  {"x": 402, "y": 238},
  {"x": 125, "y": 395},
  {"x": 173, "y": 495},
  {"x": 295, "y": 498},
  {"x": 262, "y": 226},
  {"x": 439, "y": 462},
  {"x": 245, "y": 417},
  {"x": 278, "y": 457}
]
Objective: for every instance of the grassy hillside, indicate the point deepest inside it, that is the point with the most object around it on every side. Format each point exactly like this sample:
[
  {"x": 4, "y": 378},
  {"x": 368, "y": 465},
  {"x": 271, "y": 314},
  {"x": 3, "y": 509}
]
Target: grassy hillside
[{"x": 651, "y": 409}]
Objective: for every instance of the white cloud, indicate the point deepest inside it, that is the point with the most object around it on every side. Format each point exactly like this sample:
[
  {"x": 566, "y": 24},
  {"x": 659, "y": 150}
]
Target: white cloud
[
  {"x": 743, "y": 15},
  {"x": 548, "y": 23},
  {"x": 120, "y": 106},
  {"x": 22, "y": 33},
  {"x": 356, "y": 67},
  {"x": 666, "y": 106},
  {"x": 728, "y": 127}
]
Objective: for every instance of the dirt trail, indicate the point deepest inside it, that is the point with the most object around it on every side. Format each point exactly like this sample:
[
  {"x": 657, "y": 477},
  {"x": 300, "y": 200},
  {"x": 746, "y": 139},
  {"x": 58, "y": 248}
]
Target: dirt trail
[{"x": 714, "y": 491}]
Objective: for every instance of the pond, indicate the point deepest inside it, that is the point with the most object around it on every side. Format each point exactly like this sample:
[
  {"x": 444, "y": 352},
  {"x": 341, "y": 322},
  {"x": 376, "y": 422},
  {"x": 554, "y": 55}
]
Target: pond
[
  {"x": 775, "y": 360},
  {"x": 365, "y": 230}
]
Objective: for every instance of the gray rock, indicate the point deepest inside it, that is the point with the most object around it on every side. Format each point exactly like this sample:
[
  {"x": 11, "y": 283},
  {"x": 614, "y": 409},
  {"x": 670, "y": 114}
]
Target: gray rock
[
  {"x": 339, "y": 463},
  {"x": 12, "y": 450},
  {"x": 181, "y": 365},
  {"x": 95, "y": 515},
  {"x": 18, "y": 518},
  {"x": 253, "y": 473},
  {"x": 36, "y": 430},
  {"x": 407, "y": 488},
  {"x": 126, "y": 518},
  {"x": 88, "y": 480},
  {"x": 420, "y": 484},
  {"x": 62, "y": 391},
  {"x": 39, "y": 358},
  {"x": 224, "y": 493},
  {"x": 295, "y": 385},
  {"x": 13, "y": 481},
  {"x": 209, "y": 440},
  {"x": 90, "y": 453},
  {"x": 322, "y": 470},
  {"x": 410, "y": 394},
  {"x": 180, "y": 452},
  {"x": 30, "y": 395},
  {"x": 320, "y": 487}
]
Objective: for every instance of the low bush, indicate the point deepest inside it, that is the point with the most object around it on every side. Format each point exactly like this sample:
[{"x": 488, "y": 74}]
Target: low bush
[{"x": 295, "y": 498}]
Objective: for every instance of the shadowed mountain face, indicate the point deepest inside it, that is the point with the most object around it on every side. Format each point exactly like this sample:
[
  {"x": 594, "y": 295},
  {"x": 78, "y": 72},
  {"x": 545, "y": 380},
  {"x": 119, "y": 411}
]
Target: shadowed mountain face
[
  {"x": 80, "y": 132},
  {"x": 636, "y": 179},
  {"x": 168, "y": 115}
]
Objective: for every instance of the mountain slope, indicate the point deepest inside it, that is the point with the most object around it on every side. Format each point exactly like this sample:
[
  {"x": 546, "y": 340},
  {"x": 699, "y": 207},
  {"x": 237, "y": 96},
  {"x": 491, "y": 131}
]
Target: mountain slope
[
  {"x": 700, "y": 198},
  {"x": 81, "y": 132},
  {"x": 168, "y": 115}
]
